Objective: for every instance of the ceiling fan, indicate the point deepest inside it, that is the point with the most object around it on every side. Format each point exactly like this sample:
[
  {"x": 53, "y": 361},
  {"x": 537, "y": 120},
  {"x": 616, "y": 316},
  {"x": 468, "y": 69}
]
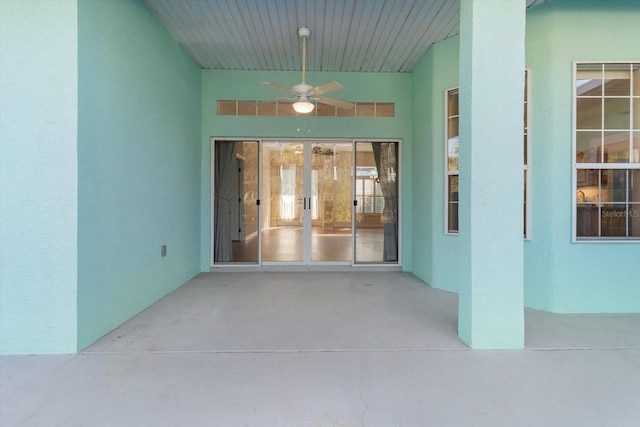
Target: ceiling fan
[{"x": 304, "y": 94}]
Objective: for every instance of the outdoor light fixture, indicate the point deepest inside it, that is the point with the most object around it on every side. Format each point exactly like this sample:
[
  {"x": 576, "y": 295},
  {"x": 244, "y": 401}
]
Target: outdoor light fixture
[{"x": 303, "y": 106}]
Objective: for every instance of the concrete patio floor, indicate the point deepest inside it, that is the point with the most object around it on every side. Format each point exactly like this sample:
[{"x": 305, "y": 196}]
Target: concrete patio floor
[{"x": 328, "y": 349}]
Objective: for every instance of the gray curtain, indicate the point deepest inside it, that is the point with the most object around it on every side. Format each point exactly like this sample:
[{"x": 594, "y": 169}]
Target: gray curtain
[
  {"x": 225, "y": 161},
  {"x": 386, "y": 155}
]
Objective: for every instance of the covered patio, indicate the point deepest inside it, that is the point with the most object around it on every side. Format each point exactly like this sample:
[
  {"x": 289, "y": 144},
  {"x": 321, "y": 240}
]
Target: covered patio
[{"x": 328, "y": 349}]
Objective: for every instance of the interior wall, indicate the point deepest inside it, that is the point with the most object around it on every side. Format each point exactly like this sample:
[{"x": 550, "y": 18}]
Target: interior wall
[
  {"x": 139, "y": 159},
  {"x": 560, "y": 276},
  {"x": 38, "y": 176},
  {"x": 362, "y": 87}
]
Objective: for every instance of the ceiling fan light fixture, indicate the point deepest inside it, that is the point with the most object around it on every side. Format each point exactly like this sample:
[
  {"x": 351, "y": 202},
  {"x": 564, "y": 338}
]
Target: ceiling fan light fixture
[{"x": 303, "y": 106}]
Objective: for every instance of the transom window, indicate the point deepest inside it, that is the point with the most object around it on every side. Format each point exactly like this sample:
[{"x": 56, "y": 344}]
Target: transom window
[
  {"x": 283, "y": 109},
  {"x": 607, "y": 151},
  {"x": 452, "y": 150}
]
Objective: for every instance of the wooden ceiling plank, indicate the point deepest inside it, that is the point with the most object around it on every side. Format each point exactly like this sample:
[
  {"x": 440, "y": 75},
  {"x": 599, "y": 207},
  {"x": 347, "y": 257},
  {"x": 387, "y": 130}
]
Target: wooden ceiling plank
[
  {"x": 396, "y": 23},
  {"x": 192, "y": 34},
  {"x": 318, "y": 32},
  {"x": 346, "y": 35},
  {"x": 286, "y": 28},
  {"x": 449, "y": 11},
  {"x": 222, "y": 36},
  {"x": 411, "y": 29},
  {"x": 358, "y": 17},
  {"x": 367, "y": 25},
  {"x": 241, "y": 37},
  {"x": 254, "y": 35},
  {"x": 420, "y": 33}
]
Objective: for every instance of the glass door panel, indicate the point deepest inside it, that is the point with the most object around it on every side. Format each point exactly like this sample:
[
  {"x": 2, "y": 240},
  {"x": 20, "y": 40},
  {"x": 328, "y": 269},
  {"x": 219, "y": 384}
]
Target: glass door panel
[
  {"x": 331, "y": 202},
  {"x": 236, "y": 215},
  {"x": 376, "y": 192},
  {"x": 282, "y": 206}
]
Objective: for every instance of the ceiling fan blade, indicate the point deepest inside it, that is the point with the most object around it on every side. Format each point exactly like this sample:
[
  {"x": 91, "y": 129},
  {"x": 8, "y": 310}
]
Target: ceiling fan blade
[
  {"x": 279, "y": 87},
  {"x": 335, "y": 102},
  {"x": 326, "y": 88}
]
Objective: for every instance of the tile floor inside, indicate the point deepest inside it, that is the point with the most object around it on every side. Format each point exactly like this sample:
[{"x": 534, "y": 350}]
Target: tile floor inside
[{"x": 327, "y": 349}]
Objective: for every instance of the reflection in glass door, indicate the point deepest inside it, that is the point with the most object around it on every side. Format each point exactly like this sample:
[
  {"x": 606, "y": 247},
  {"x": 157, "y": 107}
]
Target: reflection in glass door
[
  {"x": 283, "y": 196},
  {"x": 331, "y": 202},
  {"x": 235, "y": 202},
  {"x": 376, "y": 184}
]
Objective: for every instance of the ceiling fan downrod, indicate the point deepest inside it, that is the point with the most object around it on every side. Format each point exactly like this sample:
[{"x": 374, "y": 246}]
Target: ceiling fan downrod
[{"x": 304, "y": 33}]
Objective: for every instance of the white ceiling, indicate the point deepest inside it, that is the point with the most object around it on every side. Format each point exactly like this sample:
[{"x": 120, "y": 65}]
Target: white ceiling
[{"x": 346, "y": 35}]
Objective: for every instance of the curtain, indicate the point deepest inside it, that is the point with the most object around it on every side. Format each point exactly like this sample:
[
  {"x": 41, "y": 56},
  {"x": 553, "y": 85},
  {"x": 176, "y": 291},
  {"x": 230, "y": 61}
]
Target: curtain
[
  {"x": 225, "y": 161},
  {"x": 385, "y": 155}
]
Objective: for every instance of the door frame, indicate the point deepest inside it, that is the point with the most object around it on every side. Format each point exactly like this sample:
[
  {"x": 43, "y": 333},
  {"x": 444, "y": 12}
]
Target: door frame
[{"x": 318, "y": 265}]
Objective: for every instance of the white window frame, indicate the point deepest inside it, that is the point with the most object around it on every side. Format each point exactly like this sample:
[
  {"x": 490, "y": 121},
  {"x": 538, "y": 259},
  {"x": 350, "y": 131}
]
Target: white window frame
[
  {"x": 527, "y": 167},
  {"x": 526, "y": 164},
  {"x": 586, "y": 166},
  {"x": 447, "y": 172}
]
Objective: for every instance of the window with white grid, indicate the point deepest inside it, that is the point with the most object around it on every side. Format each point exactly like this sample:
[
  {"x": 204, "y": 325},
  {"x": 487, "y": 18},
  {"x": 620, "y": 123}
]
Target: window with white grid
[{"x": 607, "y": 151}]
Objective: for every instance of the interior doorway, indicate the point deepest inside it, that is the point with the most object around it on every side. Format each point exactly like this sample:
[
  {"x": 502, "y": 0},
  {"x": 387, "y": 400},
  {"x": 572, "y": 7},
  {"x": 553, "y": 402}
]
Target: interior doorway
[{"x": 303, "y": 202}]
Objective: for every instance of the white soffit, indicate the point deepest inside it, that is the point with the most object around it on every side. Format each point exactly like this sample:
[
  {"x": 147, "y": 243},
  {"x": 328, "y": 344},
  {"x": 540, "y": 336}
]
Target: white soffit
[{"x": 346, "y": 35}]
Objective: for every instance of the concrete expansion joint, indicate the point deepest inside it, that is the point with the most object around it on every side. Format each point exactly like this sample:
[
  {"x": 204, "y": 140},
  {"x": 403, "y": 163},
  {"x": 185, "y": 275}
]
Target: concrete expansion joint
[
  {"x": 275, "y": 351},
  {"x": 361, "y": 351},
  {"x": 584, "y": 348},
  {"x": 364, "y": 401}
]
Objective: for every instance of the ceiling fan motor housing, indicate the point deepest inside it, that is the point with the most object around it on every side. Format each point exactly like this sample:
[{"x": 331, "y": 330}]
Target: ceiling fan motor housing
[{"x": 302, "y": 89}]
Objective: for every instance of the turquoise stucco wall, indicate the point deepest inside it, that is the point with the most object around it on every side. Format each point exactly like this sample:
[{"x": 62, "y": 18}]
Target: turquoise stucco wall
[
  {"x": 563, "y": 276},
  {"x": 357, "y": 87},
  {"x": 38, "y": 176},
  {"x": 435, "y": 254},
  {"x": 139, "y": 161},
  {"x": 560, "y": 276}
]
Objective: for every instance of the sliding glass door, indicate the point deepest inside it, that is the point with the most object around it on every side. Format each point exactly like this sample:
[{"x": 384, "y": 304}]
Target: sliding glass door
[
  {"x": 305, "y": 202},
  {"x": 307, "y": 207},
  {"x": 377, "y": 195}
]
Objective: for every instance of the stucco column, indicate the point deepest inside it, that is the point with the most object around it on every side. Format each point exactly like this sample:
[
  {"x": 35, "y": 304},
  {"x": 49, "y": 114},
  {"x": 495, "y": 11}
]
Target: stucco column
[
  {"x": 38, "y": 176},
  {"x": 492, "y": 43}
]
